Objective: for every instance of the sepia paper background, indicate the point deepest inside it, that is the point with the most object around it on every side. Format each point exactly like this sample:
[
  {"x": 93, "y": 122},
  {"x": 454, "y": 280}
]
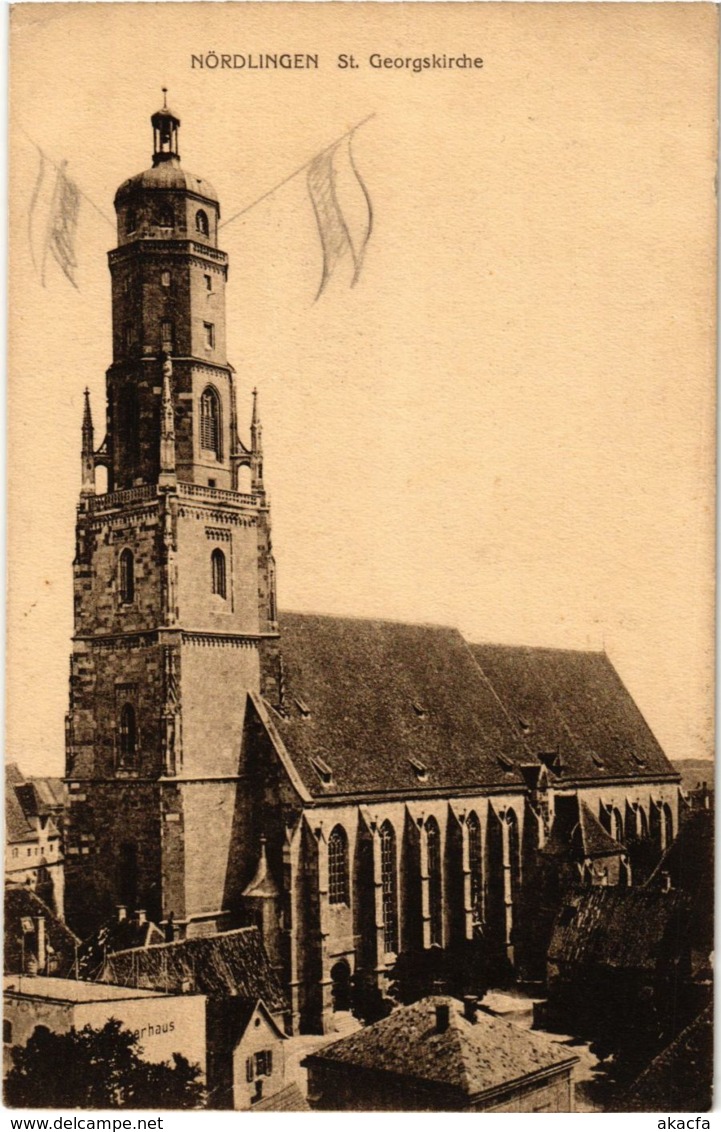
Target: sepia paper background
[{"x": 507, "y": 425}]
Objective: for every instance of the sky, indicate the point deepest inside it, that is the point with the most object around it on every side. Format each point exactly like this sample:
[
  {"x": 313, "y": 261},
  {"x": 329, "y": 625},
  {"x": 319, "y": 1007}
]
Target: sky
[{"x": 507, "y": 424}]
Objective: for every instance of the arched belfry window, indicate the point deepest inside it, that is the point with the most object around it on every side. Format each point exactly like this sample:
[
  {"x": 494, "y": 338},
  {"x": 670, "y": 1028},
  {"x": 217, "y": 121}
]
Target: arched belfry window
[
  {"x": 210, "y": 422},
  {"x": 201, "y": 222},
  {"x": 166, "y": 216},
  {"x": 435, "y": 892},
  {"x": 338, "y": 866},
  {"x": 390, "y": 887},
  {"x": 219, "y": 580},
  {"x": 475, "y": 864},
  {"x": 127, "y": 576},
  {"x": 130, "y": 422},
  {"x": 128, "y": 735}
]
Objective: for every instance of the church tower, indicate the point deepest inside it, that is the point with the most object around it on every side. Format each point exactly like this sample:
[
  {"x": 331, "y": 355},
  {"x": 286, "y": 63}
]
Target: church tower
[{"x": 174, "y": 615}]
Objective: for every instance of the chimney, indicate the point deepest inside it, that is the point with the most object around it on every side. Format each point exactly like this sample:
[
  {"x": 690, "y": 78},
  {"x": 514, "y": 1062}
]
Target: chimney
[
  {"x": 140, "y": 914},
  {"x": 122, "y": 912},
  {"x": 41, "y": 941},
  {"x": 443, "y": 1012},
  {"x": 470, "y": 1006}
]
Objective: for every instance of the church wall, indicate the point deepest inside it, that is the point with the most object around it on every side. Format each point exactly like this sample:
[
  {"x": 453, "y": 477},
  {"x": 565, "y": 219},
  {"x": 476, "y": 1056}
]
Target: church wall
[
  {"x": 113, "y": 850},
  {"x": 643, "y": 793},
  {"x": 212, "y": 839},
  {"x": 99, "y": 608},
  {"x": 215, "y": 680},
  {"x": 200, "y": 531}
]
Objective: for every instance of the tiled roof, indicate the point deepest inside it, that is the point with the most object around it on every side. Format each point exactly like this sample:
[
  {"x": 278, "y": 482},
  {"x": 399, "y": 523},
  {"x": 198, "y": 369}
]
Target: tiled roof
[
  {"x": 115, "y": 935},
  {"x": 289, "y": 1099},
  {"x": 21, "y": 903},
  {"x": 578, "y": 834},
  {"x": 472, "y": 1058},
  {"x": 228, "y": 964},
  {"x": 384, "y": 707},
  {"x": 372, "y": 698},
  {"x": 619, "y": 928},
  {"x": 680, "y": 1079},
  {"x": 17, "y": 825},
  {"x": 573, "y": 703}
]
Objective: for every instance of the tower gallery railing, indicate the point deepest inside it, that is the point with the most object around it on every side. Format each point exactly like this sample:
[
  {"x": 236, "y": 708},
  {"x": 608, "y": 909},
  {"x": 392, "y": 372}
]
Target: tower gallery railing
[{"x": 149, "y": 491}]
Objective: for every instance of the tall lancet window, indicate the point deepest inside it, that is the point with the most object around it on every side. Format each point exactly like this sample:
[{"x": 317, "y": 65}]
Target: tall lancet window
[
  {"x": 218, "y": 573},
  {"x": 127, "y": 576},
  {"x": 390, "y": 887},
  {"x": 128, "y": 735},
  {"x": 435, "y": 892},
  {"x": 475, "y": 866},
  {"x": 338, "y": 866},
  {"x": 210, "y": 422}
]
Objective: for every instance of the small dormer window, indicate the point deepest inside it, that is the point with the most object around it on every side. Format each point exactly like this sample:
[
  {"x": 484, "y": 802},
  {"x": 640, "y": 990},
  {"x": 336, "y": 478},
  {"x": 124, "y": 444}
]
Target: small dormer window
[
  {"x": 419, "y": 769},
  {"x": 506, "y": 763},
  {"x": 201, "y": 222},
  {"x": 302, "y": 707},
  {"x": 324, "y": 772},
  {"x": 420, "y": 709}
]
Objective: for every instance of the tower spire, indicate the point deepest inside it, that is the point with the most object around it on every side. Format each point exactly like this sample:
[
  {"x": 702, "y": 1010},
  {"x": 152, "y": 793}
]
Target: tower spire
[
  {"x": 256, "y": 447},
  {"x": 167, "y": 428},
  {"x": 88, "y": 450}
]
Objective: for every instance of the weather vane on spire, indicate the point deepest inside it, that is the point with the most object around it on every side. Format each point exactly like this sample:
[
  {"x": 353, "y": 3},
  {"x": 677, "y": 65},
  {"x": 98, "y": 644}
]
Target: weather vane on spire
[{"x": 165, "y": 97}]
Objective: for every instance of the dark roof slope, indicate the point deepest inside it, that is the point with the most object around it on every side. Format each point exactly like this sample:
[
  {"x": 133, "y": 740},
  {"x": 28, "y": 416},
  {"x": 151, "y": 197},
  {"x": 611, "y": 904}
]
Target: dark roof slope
[
  {"x": 620, "y": 928},
  {"x": 574, "y": 703},
  {"x": 680, "y": 1079},
  {"x": 470, "y": 1057},
  {"x": 17, "y": 825},
  {"x": 367, "y": 697},
  {"x": 115, "y": 935},
  {"x": 23, "y": 904},
  {"x": 228, "y": 964}
]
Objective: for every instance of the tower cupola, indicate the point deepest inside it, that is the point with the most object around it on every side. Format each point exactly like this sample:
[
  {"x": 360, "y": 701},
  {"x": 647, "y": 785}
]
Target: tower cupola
[{"x": 165, "y": 133}]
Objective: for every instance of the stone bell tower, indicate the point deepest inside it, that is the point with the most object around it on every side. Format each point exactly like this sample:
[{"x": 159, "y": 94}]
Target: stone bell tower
[{"x": 175, "y": 614}]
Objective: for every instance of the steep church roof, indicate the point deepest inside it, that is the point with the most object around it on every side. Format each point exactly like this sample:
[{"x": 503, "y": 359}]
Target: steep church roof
[
  {"x": 385, "y": 707},
  {"x": 390, "y": 707},
  {"x": 573, "y": 704}
]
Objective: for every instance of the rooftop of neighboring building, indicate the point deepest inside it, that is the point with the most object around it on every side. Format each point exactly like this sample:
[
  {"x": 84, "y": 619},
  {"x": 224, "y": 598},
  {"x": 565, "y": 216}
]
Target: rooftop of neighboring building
[
  {"x": 228, "y": 964},
  {"x": 680, "y": 1078},
  {"x": 619, "y": 928},
  {"x": 433, "y": 1040},
  {"x": 71, "y": 990},
  {"x": 125, "y": 930},
  {"x": 375, "y": 706}
]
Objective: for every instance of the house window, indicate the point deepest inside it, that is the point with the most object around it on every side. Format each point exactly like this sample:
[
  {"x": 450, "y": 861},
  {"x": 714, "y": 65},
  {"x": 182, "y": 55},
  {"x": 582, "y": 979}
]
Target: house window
[
  {"x": 128, "y": 734},
  {"x": 473, "y": 826},
  {"x": 338, "y": 866},
  {"x": 210, "y": 422},
  {"x": 218, "y": 573},
  {"x": 390, "y": 887},
  {"x": 201, "y": 222},
  {"x": 263, "y": 1063},
  {"x": 15, "y": 852},
  {"x": 127, "y": 576},
  {"x": 7, "y": 1032},
  {"x": 166, "y": 217},
  {"x": 165, "y": 279},
  {"x": 209, "y": 335},
  {"x": 435, "y": 895},
  {"x": 166, "y": 336},
  {"x": 249, "y": 1069},
  {"x": 208, "y": 282}
]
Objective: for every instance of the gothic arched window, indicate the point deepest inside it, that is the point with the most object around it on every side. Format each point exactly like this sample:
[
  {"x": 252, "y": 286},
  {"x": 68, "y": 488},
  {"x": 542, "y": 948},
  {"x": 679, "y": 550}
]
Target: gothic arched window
[
  {"x": 210, "y": 422},
  {"x": 201, "y": 222},
  {"x": 219, "y": 583},
  {"x": 390, "y": 887},
  {"x": 127, "y": 576},
  {"x": 435, "y": 892},
  {"x": 475, "y": 864},
  {"x": 338, "y": 866},
  {"x": 128, "y": 735}
]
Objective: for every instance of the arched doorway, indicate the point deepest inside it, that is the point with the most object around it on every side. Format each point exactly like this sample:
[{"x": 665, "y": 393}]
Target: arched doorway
[{"x": 341, "y": 985}]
